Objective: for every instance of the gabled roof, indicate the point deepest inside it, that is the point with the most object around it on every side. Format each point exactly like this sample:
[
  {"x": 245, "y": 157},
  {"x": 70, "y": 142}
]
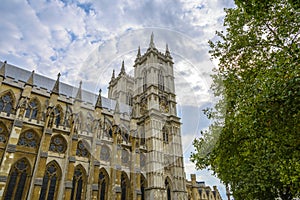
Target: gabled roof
[{"x": 41, "y": 81}]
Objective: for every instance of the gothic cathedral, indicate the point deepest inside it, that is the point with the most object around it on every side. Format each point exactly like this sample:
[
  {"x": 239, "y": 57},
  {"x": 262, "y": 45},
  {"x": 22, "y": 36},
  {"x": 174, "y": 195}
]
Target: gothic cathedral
[{"x": 61, "y": 142}]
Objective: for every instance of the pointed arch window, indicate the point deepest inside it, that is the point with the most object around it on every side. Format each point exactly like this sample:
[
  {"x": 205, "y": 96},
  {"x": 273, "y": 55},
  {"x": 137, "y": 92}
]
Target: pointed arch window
[
  {"x": 143, "y": 186},
  {"x": 57, "y": 115},
  {"x": 77, "y": 121},
  {"x": 67, "y": 116},
  {"x": 81, "y": 150},
  {"x": 18, "y": 180},
  {"x": 161, "y": 84},
  {"x": 168, "y": 189},
  {"x": 29, "y": 139},
  {"x": 6, "y": 103},
  {"x": 124, "y": 186},
  {"x": 165, "y": 132},
  {"x": 144, "y": 81},
  {"x": 50, "y": 182},
  {"x": 32, "y": 110},
  {"x": 103, "y": 185},
  {"x": 107, "y": 128},
  {"x": 58, "y": 144},
  {"x": 79, "y": 183},
  {"x": 129, "y": 98}
]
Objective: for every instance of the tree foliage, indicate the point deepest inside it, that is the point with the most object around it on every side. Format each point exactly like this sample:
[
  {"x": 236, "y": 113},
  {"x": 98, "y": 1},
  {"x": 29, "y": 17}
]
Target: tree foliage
[{"x": 254, "y": 143}]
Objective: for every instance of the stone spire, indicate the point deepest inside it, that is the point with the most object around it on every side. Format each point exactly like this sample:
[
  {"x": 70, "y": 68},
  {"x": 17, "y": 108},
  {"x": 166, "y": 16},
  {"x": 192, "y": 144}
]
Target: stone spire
[
  {"x": 139, "y": 52},
  {"x": 113, "y": 75},
  {"x": 151, "y": 45},
  {"x": 2, "y": 69},
  {"x": 138, "y": 56},
  {"x": 55, "y": 89},
  {"x": 167, "y": 50},
  {"x": 99, "y": 100},
  {"x": 30, "y": 79},
  {"x": 79, "y": 92},
  {"x": 122, "y": 68}
]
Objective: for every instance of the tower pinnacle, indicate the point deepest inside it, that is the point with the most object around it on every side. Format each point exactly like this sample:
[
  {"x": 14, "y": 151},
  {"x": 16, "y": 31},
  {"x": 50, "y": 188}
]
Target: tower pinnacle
[
  {"x": 79, "y": 93},
  {"x": 30, "y": 79},
  {"x": 168, "y": 52},
  {"x": 113, "y": 74},
  {"x": 151, "y": 45},
  {"x": 122, "y": 68},
  {"x": 99, "y": 100},
  {"x": 55, "y": 89},
  {"x": 139, "y": 52}
]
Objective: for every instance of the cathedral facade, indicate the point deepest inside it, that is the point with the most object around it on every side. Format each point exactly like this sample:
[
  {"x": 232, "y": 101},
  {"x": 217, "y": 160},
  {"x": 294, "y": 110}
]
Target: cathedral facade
[{"x": 61, "y": 142}]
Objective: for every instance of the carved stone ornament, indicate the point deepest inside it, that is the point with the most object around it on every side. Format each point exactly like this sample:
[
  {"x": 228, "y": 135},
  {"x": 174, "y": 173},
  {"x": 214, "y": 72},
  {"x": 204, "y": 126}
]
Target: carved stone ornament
[
  {"x": 143, "y": 106},
  {"x": 163, "y": 105}
]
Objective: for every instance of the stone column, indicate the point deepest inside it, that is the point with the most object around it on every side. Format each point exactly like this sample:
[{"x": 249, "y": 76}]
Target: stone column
[
  {"x": 8, "y": 159},
  {"x": 135, "y": 172},
  {"x": 73, "y": 141},
  {"x": 41, "y": 163},
  {"x": 95, "y": 186},
  {"x": 115, "y": 180}
]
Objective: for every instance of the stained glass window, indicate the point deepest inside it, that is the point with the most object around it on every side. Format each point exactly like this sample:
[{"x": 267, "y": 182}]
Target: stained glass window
[
  {"x": 58, "y": 144},
  {"x": 103, "y": 181},
  {"x": 81, "y": 150},
  {"x": 165, "y": 134},
  {"x": 18, "y": 177},
  {"x": 32, "y": 110},
  {"x": 161, "y": 81},
  {"x": 6, "y": 103},
  {"x": 29, "y": 139},
  {"x": 145, "y": 81},
  {"x": 78, "y": 184},
  {"x": 124, "y": 186},
  {"x": 57, "y": 113},
  {"x": 50, "y": 182}
]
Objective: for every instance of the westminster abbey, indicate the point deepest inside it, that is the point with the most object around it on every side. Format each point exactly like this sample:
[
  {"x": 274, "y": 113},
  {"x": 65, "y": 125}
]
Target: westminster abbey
[{"x": 58, "y": 145}]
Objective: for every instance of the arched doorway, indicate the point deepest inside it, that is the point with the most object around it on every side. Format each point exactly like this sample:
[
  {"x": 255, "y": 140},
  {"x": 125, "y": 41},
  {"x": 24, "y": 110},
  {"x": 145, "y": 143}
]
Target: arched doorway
[{"x": 168, "y": 188}]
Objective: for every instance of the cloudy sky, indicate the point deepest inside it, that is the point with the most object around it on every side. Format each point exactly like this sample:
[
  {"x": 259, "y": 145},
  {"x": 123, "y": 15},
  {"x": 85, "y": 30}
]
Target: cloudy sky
[{"x": 85, "y": 40}]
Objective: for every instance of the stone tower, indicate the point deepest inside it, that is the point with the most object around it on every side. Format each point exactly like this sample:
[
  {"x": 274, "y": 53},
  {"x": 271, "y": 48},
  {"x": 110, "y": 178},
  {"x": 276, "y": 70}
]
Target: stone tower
[
  {"x": 121, "y": 87},
  {"x": 154, "y": 109}
]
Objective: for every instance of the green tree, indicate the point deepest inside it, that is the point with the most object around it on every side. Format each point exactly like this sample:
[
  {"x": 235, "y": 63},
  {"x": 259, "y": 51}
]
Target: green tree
[{"x": 253, "y": 144}]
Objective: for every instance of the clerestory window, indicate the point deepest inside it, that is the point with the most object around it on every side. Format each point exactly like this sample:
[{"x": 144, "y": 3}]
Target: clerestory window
[
  {"x": 6, "y": 103},
  {"x": 51, "y": 181}
]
